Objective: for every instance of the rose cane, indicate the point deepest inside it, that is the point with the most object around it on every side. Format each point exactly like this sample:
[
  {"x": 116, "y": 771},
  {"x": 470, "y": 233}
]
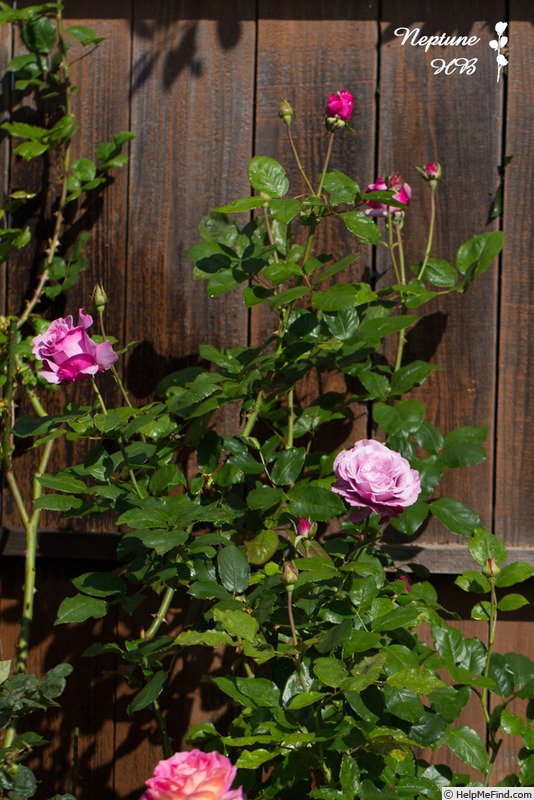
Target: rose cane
[{"x": 431, "y": 174}]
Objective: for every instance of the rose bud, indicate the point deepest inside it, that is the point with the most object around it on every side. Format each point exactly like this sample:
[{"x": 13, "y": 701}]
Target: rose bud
[
  {"x": 285, "y": 111},
  {"x": 289, "y": 574},
  {"x": 99, "y": 298},
  {"x": 431, "y": 172},
  {"x": 304, "y": 527},
  {"x": 406, "y": 582},
  {"x": 491, "y": 570}
]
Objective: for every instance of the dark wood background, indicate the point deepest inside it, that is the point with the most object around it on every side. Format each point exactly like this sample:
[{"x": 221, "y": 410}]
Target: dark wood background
[{"x": 200, "y": 84}]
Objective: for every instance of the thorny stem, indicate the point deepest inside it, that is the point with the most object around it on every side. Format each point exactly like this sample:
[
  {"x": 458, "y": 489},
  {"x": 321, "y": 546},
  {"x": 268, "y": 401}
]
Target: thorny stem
[
  {"x": 251, "y": 421},
  {"x": 161, "y": 613},
  {"x": 269, "y": 231},
  {"x": 485, "y": 692},
  {"x": 291, "y": 416},
  {"x": 55, "y": 240}
]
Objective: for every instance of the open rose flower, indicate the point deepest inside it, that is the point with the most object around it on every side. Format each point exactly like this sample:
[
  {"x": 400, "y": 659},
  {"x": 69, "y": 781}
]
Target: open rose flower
[
  {"x": 373, "y": 478},
  {"x": 340, "y": 105},
  {"x": 69, "y": 354},
  {"x": 402, "y": 193},
  {"x": 193, "y": 776}
]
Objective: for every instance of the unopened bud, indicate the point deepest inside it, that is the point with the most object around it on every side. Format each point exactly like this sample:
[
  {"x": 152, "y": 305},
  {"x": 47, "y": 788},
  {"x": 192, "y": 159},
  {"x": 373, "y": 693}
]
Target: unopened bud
[
  {"x": 406, "y": 582},
  {"x": 491, "y": 570},
  {"x": 99, "y": 298},
  {"x": 431, "y": 172},
  {"x": 333, "y": 124},
  {"x": 289, "y": 575},
  {"x": 304, "y": 527},
  {"x": 285, "y": 111}
]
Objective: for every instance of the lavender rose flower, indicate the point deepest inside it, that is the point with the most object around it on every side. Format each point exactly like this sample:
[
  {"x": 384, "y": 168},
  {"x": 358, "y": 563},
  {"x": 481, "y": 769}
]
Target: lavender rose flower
[
  {"x": 193, "y": 776},
  {"x": 374, "y": 478},
  {"x": 69, "y": 354}
]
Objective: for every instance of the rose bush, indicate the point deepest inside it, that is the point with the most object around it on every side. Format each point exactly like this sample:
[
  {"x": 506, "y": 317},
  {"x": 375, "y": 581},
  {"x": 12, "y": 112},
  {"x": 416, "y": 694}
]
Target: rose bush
[
  {"x": 403, "y": 194},
  {"x": 69, "y": 354},
  {"x": 193, "y": 776},
  {"x": 374, "y": 478}
]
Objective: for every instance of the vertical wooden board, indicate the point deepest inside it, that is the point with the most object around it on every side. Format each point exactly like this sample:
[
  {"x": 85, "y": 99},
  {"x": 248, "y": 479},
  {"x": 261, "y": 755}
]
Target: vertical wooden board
[
  {"x": 88, "y": 699},
  {"x": 455, "y": 119},
  {"x": 192, "y": 101},
  {"x": 101, "y": 108},
  {"x": 514, "y": 503},
  {"x": 306, "y": 51}
]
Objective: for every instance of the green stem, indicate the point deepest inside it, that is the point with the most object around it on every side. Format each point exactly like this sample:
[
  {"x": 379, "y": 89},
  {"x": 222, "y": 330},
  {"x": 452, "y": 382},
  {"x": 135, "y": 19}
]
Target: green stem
[
  {"x": 430, "y": 232},
  {"x": 485, "y": 693},
  {"x": 289, "y": 590},
  {"x": 390, "y": 245},
  {"x": 7, "y": 409},
  {"x": 251, "y": 421},
  {"x": 327, "y": 159},
  {"x": 162, "y": 730},
  {"x": 297, "y": 159},
  {"x": 54, "y": 241},
  {"x": 402, "y": 338},
  {"x": 269, "y": 231},
  {"x": 291, "y": 416},
  {"x": 161, "y": 613}
]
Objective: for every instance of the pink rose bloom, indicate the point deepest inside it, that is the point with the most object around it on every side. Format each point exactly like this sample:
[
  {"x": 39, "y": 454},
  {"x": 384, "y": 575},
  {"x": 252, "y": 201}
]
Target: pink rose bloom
[
  {"x": 69, "y": 354},
  {"x": 433, "y": 170},
  {"x": 340, "y": 105},
  {"x": 402, "y": 193},
  {"x": 193, "y": 776},
  {"x": 372, "y": 477}
]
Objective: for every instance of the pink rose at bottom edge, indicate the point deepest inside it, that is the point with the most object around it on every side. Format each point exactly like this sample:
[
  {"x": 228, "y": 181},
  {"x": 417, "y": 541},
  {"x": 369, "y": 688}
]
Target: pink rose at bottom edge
[
  {"x": 193, "y": 775},
  {"x": 373, "y": 478},
  {"x": 68, "y": 353}
]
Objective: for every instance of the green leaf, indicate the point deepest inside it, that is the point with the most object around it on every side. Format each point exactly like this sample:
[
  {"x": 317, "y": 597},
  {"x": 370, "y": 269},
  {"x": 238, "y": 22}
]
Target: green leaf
[
  {"x": 315, "y": 503},
  {"x": 414, "y": 374},
  {"x": 342, "y": 189},
  {"x": 237, "y": 623},
  {"x": 467, "y": 745},
  {"x": 217, "y": 227},
  {"x": 5, "y": 669},
  {"x": 79, "y": 608},
  {"x": 513, "y": 573},
  {"x": 438, "y": 272},
  {"x": 343, "y": 324},
  {"x": 100, "y": 584},
  {"x": 57, "y": 502},
  {"x": 243, "y": 204},
  {"x": 383, "y": 326},
  {"x": 253, "y": 759},
  {"x": 63, "y": 482},
  {"x": 330, "y": 671},
  {"x": 262, "y": 547},
  {"x": 85, "y": 35},
  {"x": 481, "y": 610},
  {"x": 39, "y": 35},
  {"x": 457, "y": 517},
  {"x": 479, "y": 252},
  {"x": 305, "y": 699},
  {"x": 234, "y": 570},
  {"x": 148, "y": 693},
  {"x": 266, "y": 497},
  {"x": 420, "y": 680},
  {"x": 288, "y": 466},
  {"x": 411, "y": 518},
  {"x": 287, "y": 296},
  {"x": 484, "y": 545},
  {"x": 402, "y": 419},
  {"x": 404, "y": 703},
  {"x": 254, "y": 295},
  {"x": 511, "y": 602},
  {"x": 362, "y": 226},
  {"x": 29, "y": 150},
  {"x": 342, "y": 296},
  {"x": 84, "y": 169},
  {"x": 449, "y": 642},
  {"x": 267, "y": 175},
  {"x": 449, "y": 702},
  {"x": 284, "y": 210},
  {"x": 462, "y": 446}
]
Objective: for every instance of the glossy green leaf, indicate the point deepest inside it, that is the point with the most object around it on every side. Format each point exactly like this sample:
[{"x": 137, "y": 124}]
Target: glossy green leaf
[
  {"x": 342, "y": 189},
  {"x": 267, "y": 175},
  {"x": 457, "y": 517},
  {"x": 485, "y": 545},
  {"x": 262, "y": 547},
  {"x": 421, "y": 680},
  {"x": 265, "y": 497},
  {"x": 438, "y": 272},
  {"x": 288, "y": 466},
  {"x": 100, "y": 584},
  {"x": 513, "y": 573},
  {"x": 315, "y": 503},
  {"x": 414, "y": 374},
  {"x": 39, "y": 35},
  {"x": 148, "y": 693},
  {"x": 237, "y": 623},
  {"x": 467, "y": 745},
  {"x": 284, "y": 210},
  {"x": 402, "y": 419},
  {"x": 85, "y": 35},
  {"x": 79, "y": 608},
  {"x": 361, "y": 226},
  {"x": 243, "y": 204},
  {"x": 511, "y": 602},
  {"x": 234, "y": 570},
  {"x": 480, "y": 251}
]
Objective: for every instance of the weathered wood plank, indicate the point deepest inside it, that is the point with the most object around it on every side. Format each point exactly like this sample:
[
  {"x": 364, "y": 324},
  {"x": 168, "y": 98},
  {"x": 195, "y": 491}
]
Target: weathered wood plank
[
  {"x": 455, "y": 119},
  {"x": 514, "y": 501},
  {"x": 306, "y": 51}
]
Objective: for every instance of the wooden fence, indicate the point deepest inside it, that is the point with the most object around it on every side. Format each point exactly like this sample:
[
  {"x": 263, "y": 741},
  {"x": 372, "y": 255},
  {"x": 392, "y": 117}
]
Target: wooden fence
[{"x": 200, "y": 84}]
